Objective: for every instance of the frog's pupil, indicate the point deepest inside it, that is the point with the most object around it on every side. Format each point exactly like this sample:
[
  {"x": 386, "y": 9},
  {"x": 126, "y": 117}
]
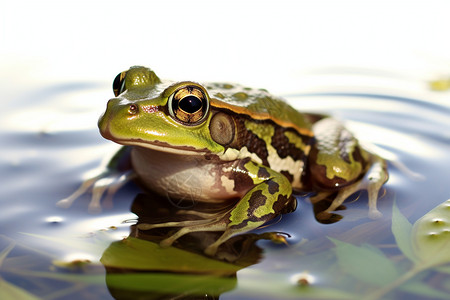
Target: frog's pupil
[{"x": 190, "y": 104}]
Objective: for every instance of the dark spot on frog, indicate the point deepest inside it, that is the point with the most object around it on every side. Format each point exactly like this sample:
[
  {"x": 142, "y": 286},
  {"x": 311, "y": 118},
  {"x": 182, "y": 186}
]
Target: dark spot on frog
[
  {"x": 256, "y": 145},
  {"x": 263, "y": 173},
  {"x": 273, "y": 187},
  {"x": 242, "y": 182},
  {"x": 285, "y": 205},
  {"x": 256, "y": 200},
  {"x": 283, "y": 146},
  {"x": 357, "y": 156}
]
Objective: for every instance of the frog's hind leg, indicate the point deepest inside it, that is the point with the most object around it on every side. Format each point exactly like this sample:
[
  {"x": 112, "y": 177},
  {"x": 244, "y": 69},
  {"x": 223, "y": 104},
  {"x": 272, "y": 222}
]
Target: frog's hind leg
[
  {"x": 221, "y": 224},
  {"x": 338, "y": 200},
  {"x": 256, "y": 208},
  {"x": 372, "y": 181}
]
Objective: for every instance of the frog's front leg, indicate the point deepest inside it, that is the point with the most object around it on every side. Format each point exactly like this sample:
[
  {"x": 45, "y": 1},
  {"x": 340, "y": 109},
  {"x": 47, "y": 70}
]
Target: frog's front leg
[
  {"x": 108, "y": 179},
  {"x": 269, "y": 194}
]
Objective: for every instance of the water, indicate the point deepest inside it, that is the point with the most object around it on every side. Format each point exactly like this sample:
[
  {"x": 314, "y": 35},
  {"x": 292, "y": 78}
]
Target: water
[{"x": 50, "y": 143}]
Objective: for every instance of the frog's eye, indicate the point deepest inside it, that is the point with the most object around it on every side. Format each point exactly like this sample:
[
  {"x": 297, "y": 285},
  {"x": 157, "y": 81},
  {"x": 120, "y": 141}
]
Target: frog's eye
[
  {"x": 119, "y": 83},
  {"x": 188, "y": 105}
]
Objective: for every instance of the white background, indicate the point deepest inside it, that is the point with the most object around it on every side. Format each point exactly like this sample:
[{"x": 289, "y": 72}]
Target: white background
[{"x": 267, "y": 44}]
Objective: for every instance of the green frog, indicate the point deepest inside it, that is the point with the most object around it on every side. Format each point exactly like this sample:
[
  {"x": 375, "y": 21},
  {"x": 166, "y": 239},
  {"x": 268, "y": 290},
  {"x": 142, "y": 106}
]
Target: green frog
[{"x": 228, "y": 144}]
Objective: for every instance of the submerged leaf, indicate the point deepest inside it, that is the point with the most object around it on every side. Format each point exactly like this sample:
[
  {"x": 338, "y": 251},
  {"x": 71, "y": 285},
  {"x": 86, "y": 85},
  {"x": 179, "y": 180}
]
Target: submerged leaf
[
  {"x": 431, "y": 236},
  {"x": 9, "y": 291},
  {"x": 419, "y": 288},
  {"x": 5, "y": 252},
  {"x": 367, "y": 264},
  {"x": 401, "y": 228},
  {"x": 445, "y": 269},
  {"x": 170, "y": 284}
]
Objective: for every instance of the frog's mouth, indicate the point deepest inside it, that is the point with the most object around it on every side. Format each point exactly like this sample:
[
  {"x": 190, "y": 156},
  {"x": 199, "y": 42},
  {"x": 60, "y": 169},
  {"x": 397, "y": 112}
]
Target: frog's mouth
[
  {"x": 159, "y": 146},
  {"x": 166, "y": 147},
  {"x": 154, "y": 145}
]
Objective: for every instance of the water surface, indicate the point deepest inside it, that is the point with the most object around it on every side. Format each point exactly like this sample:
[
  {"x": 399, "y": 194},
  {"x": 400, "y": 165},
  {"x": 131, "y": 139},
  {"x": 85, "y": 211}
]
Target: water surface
[{"x": 50, "y": 143}]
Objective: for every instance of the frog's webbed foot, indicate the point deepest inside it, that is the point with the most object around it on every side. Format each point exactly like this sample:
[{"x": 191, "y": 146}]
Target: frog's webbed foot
[{"x": 107, "y": 181}]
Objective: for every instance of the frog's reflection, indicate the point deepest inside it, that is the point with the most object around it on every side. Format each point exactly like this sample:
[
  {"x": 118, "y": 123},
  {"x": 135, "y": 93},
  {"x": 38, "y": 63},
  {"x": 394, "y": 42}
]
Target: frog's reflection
[{"x": 138, "y": 268}]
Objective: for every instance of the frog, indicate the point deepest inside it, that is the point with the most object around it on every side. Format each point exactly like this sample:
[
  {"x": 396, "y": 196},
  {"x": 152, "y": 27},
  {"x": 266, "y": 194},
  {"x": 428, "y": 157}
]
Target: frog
[{"x": 233, "y": 145}]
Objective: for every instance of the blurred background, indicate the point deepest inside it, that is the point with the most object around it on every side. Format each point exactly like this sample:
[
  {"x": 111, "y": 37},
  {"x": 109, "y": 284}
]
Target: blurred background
[{"x": 264, "y": 43}]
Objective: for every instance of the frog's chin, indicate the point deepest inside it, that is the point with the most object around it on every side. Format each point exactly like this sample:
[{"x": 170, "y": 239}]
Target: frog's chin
[{"x": 164, "y": 147}]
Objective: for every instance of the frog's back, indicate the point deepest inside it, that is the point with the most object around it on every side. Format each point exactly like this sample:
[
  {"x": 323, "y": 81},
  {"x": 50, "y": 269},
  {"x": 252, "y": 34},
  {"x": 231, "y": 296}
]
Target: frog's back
[{"x": 258, "y": 104}]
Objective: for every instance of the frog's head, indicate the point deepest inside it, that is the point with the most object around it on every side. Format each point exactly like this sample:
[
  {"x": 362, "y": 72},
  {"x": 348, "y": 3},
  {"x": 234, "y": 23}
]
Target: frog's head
[{"x": 170, "y": 117}]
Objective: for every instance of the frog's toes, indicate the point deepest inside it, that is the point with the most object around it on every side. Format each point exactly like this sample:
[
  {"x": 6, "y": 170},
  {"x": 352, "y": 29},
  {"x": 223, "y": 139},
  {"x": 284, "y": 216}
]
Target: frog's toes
[
  {"x": 375, "y": 214},
  {"x": 64, "y": 203}
]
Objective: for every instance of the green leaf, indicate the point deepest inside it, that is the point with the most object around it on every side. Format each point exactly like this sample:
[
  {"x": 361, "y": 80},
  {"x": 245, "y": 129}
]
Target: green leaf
[
  {"x": 137, "y": 254},
  {"x": 401, "y": 228},
  {"x": 367, "y": 264},
  {"x": 444, "y": 269},
  {"x": 6, "y": 251},
  {"x": 9, "y": 291},
  {"x": 431, "y": 236},
  {"x": 419, "y": 288}
]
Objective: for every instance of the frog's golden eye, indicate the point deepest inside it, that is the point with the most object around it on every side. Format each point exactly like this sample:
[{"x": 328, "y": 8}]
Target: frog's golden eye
[
  {"x": 188, "y": 105},
  {"x": 119, "y": 83}
]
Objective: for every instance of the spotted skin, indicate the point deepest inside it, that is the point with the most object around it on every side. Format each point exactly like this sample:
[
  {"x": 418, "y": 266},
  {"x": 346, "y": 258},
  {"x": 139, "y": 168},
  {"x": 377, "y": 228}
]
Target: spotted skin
[{"x": 241, "y": 147}]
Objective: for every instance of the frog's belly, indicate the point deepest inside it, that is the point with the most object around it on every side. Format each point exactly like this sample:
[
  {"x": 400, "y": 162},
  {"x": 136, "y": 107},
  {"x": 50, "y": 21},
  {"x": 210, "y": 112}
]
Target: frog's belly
[{"x": 182, "y": 177}]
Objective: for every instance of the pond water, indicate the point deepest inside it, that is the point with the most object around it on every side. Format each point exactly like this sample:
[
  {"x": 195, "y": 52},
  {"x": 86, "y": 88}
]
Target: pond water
[{"x": 50, "y": 142}]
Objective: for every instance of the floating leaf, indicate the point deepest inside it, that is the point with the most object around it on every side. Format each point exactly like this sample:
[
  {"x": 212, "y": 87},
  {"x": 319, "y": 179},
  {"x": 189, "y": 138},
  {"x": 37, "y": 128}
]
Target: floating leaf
[
  {"x": 401, "y": 228},
  {"x": 367, "y": 264},
  {"x": 137, "y": 254},
  {"x": 431, "y": 236}
]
